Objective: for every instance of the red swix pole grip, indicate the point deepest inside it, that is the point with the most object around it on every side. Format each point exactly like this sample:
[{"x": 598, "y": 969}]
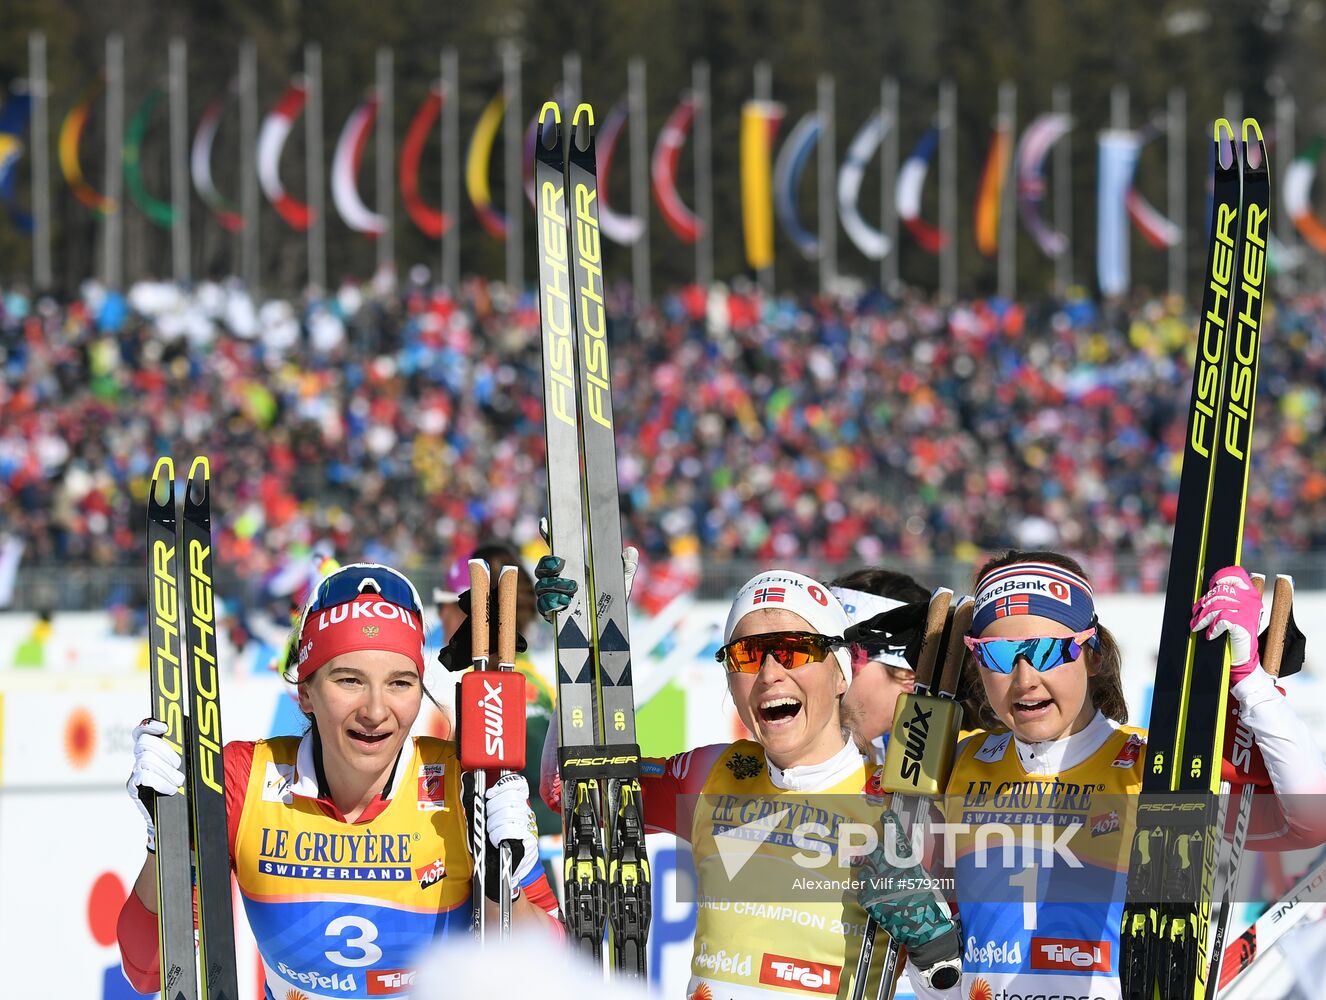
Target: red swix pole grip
[{"x": 493, "y": 735}]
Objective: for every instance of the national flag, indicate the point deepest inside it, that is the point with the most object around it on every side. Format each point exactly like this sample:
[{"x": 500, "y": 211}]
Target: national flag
[
  {"x": 759, "y": 123},
  {"x": 770, "y": 595},
  {"x": 870, "y": 241},
  {"x": 345, "y": 169},
  {"x": 1298, "y": 198},
  {"x": 663, "y": 169},
  {"x": 990, "y": 194},
  {"x": 1006, "y": 606},
  {"x": 789, "y": 167},
  {"x": 911, "y": 181},
  {"x": 1033, "y": 149},
  {"x": 1117, "y": 155}
]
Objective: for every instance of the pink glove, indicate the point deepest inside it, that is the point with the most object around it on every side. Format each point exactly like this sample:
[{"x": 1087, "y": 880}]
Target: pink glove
[{"x": 1232, "y": 607}]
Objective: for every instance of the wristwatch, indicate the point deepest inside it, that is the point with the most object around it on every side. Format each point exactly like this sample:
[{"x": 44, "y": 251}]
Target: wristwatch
[{"x": 942, "y": 975}]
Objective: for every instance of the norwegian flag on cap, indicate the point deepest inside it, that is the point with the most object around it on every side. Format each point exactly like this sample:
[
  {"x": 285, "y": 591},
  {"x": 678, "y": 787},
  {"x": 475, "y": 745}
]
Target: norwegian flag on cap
[
  {"x": 769, "y": 595},
  {"x": 1006, "y": 606}
]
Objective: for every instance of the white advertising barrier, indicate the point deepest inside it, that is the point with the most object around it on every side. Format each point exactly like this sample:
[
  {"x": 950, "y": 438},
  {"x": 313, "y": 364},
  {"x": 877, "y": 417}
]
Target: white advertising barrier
[{"x": 71, "y": 843}]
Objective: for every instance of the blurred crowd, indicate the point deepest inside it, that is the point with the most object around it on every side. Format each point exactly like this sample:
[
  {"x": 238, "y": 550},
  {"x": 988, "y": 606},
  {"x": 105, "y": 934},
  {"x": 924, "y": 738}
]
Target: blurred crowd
[{"x": 406, "y": 424}]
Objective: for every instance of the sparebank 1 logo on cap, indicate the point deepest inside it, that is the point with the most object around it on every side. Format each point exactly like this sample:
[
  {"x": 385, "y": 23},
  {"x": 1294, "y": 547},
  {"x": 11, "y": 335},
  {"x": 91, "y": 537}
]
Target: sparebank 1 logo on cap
[{"x": 1025, "y": 583}]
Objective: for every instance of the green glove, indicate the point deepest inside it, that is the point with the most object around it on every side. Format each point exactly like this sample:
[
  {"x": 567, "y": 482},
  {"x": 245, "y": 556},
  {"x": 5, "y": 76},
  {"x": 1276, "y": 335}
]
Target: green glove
[
  {"x": 899, "y": 893},
  {"x": 552, "y": 591}
]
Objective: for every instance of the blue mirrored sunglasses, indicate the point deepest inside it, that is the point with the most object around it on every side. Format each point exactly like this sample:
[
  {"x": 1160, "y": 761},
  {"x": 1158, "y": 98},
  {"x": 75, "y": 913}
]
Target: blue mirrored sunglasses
[
  {"x": 1043, "y": 652},
  {"x": 348, "y": 582}
]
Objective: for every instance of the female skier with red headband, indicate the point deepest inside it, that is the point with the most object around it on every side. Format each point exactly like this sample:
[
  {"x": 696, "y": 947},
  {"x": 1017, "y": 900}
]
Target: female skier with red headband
[{"x": 350, "y": 844}]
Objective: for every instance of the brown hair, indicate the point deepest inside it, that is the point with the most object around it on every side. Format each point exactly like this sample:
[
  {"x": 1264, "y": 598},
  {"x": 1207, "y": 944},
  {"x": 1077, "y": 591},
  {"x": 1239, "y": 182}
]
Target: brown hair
[{"x": 1105, "y": 686}]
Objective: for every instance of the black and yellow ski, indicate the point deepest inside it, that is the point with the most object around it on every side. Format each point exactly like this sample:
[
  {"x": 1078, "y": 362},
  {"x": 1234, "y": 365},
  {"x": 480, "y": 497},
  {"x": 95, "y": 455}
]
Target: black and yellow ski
[
  {"x": 170, "y": 812},
  {"x": 606, "y": 869},
  {"x": 1166, "y": 925},
  {"x": 186, "y": 696},
  {"x": 207, "y": 780}
]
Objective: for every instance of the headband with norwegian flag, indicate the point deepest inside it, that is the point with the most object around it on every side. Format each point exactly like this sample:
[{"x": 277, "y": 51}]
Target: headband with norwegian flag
[
  {"x": 784, "y": 590},
  {"x": 1034, "y": 588}
]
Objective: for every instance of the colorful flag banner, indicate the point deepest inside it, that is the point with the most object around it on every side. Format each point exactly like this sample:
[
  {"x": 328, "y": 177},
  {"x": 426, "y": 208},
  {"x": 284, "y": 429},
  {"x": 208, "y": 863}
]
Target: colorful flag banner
[
  {"x": 759, "y": 124},
  {"x": 159, "y": 211},
  {"x": 663, "y": 169},
  {"x": 870, "y": 241},
  {"x": 1299, "y": 176},
  {"x": 1117, "y": 156},
  {"x": 345, "y": 170},
  {"x": 620, "y": 227},
  {"x": 990, "y": 193},
  {"x": 1037, "y": 140},
  {"x": 71, "y": 135},
  {"x": 477, "y": 158},
  {"x": 788, "y": 168},
  {"x": 429, "y": 220},
  {"x": 200, "y": 162},
  {"x": 271, "y": 140},
  {"x": 14, "y": 116},
  {"x": 1156, "y": 228},
  {"x": 911, "y": 182}
]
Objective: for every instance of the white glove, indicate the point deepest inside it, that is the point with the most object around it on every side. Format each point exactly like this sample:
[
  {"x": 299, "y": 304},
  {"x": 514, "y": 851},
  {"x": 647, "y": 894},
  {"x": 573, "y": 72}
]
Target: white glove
[
  {"x": 511, "y": 818},
  {"x": 156, "y": 772},
  {"x": 630, "y": 563}
]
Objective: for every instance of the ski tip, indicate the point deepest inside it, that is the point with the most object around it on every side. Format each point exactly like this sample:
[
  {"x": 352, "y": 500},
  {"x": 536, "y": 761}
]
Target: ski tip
[
  {"x": 550, "y": 107},
  {"x": 1250, "y": 124},
  {"x": 586, "y": 110},
  {"x": 1225, "y": 138},
  {"x": 200, "y": 467},
  {"x": 165, "y": 468}
]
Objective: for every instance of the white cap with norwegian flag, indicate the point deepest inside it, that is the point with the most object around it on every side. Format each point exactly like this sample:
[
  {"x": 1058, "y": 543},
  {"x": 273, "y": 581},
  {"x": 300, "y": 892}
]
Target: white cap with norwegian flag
[{"x": 784, "y": 590}]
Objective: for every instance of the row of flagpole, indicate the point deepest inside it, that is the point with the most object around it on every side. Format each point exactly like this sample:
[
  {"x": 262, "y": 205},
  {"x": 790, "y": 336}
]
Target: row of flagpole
[
  {"x": 1119, "y": 147},
  {"x": 112, "y": 249}
]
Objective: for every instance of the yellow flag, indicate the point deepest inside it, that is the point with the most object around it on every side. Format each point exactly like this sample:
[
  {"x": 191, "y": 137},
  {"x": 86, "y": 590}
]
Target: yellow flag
[{"x": 759, "y": 123}]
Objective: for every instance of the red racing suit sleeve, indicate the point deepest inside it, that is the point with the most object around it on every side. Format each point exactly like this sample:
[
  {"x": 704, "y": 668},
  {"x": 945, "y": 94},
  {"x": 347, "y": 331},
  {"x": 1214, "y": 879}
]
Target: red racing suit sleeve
[
  {"x": 669, "y": 787},
  {"x": 136, "y": 929}
]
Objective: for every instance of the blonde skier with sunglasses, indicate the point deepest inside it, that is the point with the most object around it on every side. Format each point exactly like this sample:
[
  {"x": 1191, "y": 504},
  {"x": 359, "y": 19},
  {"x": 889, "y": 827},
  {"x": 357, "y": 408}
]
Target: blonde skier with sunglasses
[{"x": 777, "y": 914}]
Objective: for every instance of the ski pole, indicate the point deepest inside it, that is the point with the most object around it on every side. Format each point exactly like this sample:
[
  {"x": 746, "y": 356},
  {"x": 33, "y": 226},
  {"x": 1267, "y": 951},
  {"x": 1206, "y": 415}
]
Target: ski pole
[
  {"x": 506, "y": 663},
  {"x": 934, "y": 627},
  {"x": 480, "y": 582},
  {"x": 1282, "y": 601}
]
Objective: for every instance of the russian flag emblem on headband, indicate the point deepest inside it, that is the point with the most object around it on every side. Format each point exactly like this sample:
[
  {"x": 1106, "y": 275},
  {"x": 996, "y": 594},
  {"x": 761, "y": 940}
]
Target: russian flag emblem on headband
[{"x": 769, "y": 595}]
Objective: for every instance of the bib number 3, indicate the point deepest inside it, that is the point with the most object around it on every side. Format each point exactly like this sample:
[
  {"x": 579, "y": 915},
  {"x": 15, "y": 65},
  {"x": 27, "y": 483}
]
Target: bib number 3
[{"x": 359, "y": 935}]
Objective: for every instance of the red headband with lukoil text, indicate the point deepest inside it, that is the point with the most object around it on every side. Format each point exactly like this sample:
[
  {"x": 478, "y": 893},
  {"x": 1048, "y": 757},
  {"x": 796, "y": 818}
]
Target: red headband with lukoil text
[{"x": 367, "y": 622}]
